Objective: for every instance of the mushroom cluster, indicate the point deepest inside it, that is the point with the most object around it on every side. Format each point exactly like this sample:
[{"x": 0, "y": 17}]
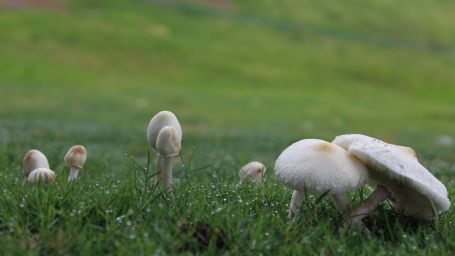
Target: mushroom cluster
[
  {"x": 350, "y": 162},
  {"x": 36, "y": 167},
  {"x": 346, "y": 164}
]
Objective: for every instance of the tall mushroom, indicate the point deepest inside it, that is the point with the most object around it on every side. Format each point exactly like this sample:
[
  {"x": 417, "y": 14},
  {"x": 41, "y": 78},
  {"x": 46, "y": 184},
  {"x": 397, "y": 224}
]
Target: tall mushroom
[
  {"x": 253, "y": 171},
  {"x": 395, "y": 174},
  {"x": 36, "y": 167},
  {"x": 318, "y": 167},
  {"x": 165, "y": 135},
  {"x": 75, "y": 159}
]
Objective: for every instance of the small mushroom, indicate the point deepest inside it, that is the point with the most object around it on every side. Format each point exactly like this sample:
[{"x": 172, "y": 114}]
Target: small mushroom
[
  {"x": 75, "y": 159},
  {"x": 395, "y": 174},
  {"x": 36, "y": 167},
  {"x": 319, "y": 167},
  {"x": 253, "y": 171},
  {"x": 165, "y": 135}
]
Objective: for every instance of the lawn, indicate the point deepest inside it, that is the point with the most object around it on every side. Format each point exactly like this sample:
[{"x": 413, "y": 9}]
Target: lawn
[{"x": 246, "y": 79}]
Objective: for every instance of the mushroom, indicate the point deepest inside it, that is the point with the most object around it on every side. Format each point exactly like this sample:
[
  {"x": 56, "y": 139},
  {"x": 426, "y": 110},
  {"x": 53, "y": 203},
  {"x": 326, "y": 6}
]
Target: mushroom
[
  {"x": 395, "y": 174},
  {"x": 75, "y": 159},
  {"x": 36, "y": 167},
  {"x": 319, "y": 167},
  {"x": 165, "y": 135},
  {"x": 253, "y": 171}
]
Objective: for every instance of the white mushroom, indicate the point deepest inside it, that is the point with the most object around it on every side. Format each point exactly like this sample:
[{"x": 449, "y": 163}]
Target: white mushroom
[
  {"x": 395, "y": 174},
  {"x": 318, "y": 167},
  {"x": 75, "y": 159},
  {"x": 165, "y": 135},
  {"x": 253, "y": 172},
  {"x": 36, "y": 167}
]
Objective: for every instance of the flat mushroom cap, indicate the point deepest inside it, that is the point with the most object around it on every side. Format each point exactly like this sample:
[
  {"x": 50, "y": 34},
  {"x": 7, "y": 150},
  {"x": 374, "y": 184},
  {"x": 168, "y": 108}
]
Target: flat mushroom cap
[
  {"x": 413, "y": 188},
  {"x": 159, "y": 121},
  {"x": 318, "y": 166},
  {"x": 34, "y": 159},
  {"x": 76, "y": 156},
  {"x": 45, "y": 174},
  {"x": 252, "y": 171}
]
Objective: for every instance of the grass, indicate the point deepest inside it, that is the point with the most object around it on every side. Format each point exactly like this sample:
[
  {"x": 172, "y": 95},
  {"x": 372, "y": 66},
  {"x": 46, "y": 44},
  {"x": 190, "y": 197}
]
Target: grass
[{"x": 246, "y": 79}]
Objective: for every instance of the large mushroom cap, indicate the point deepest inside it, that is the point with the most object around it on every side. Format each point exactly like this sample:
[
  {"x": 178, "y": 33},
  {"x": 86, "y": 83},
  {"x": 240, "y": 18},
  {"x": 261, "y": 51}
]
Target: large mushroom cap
[
  {"x": 414, "y": 189},
  {"x": 158, "y": 122},
  {"x": 319, "y": 166},
  {"x": 44, "y": 174},
  {"x": 252, "y": 171},
  {"x": 34, "y": 159},
  {"x": 76, "y": 156}
]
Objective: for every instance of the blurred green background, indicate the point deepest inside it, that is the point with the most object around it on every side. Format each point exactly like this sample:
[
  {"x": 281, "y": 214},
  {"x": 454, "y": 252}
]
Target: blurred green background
[{"x": 291, "y": 69}]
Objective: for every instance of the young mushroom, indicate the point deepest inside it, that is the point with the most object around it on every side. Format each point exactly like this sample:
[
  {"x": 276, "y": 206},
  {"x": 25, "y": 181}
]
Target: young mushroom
[
  {"x": 253, "y": 172},
  {"x": 36, "y": 167},
  {"x": 75, "y": 159},
  {"x": 395, "y": 174},
  {"x": 165, "y": 135},
  {"x": 319, "y": 167}
]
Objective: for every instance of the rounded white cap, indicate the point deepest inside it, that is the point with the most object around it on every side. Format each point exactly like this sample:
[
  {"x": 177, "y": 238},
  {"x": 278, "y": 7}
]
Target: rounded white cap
[
  {"x": 158, "y": 122},
  {"x": 253, "y": 171},
  {"x": 76, "y": 156},
  {"x": 318, "y": 166},
  {"x": 168, "y": 143},
  {"x": 34, "y": 159}
]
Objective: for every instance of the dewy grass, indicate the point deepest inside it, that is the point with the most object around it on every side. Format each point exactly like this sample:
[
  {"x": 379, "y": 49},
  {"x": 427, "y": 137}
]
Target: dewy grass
[{"x": 208, "y": 212}]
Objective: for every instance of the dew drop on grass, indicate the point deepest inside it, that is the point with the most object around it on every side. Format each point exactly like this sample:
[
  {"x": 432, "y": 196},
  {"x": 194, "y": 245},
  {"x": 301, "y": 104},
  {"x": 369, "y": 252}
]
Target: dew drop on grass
[
  {"x": 253, "y": 244},
  {"x": 306, "y": 240}
]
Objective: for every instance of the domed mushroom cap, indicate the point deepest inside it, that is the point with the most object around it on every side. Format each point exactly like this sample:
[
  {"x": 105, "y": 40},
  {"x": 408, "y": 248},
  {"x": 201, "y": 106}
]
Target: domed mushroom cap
[
  {"x": 158, "y": 122},
  {"x": 44, "y": 174},
  {"x": 319, "y": 166},
  {"x": 34, "y": 159},
  {"x": 76, "y": 156},
  {"x": 168, "y": 142},
  {"x": 252, "y": 171},
  {"x": 413, "y": 188}
]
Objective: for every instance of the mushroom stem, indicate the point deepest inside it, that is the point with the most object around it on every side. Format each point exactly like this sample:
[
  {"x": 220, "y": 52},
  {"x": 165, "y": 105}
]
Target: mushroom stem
[
  {"x": 379, "y": 195},
  {"x": 341, "y": 202},
  {"x": 166, "y": 173},
  {"x": 158, "y": 163},
  {"x": 296, "y": 203},
  {"x": 74, "y": 171}
]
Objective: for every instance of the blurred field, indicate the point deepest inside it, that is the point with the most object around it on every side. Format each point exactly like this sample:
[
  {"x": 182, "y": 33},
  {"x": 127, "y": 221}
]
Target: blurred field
[{"x": 246, "y": 78}]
